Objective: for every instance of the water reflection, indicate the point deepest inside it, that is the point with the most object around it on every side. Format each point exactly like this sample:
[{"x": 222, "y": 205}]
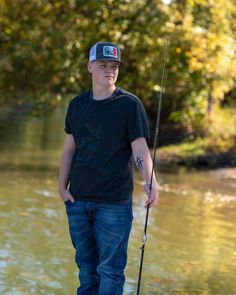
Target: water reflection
[{"x": 191, "y": 234}]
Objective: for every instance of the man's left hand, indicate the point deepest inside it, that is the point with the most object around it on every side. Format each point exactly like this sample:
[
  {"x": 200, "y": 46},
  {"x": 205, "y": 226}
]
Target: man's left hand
[{"x": 152, "y": 194}]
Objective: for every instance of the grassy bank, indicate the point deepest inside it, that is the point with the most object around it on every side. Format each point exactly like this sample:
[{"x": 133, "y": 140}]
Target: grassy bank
[{"x": 196, "y": 154}]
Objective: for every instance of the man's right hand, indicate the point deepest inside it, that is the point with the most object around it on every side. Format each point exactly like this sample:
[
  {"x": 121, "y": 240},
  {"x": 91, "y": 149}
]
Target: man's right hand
[{"x": 66, "y": 195}]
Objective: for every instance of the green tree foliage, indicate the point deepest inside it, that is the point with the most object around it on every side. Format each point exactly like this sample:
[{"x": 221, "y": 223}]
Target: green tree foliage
[
  {"x": 208, "y": 35},
  {"x": 45, "y": 43},
  {"x": 210, "y": 54}
]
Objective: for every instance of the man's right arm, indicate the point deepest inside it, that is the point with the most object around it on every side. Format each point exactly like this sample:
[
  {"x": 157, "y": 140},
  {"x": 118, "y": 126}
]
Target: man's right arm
[{"x": 65, "y": 166}]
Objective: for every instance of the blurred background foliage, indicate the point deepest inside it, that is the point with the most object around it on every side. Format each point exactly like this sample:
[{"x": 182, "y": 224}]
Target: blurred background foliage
[{"x": 44, "y": 47}]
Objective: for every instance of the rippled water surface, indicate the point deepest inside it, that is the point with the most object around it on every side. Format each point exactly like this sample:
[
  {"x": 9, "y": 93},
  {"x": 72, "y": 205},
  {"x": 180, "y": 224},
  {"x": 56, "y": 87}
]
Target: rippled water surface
[{"x": 191, "y": 246}]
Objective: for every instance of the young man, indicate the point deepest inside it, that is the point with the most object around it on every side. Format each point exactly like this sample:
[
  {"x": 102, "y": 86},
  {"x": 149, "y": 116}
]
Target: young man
[{"x": 105, "y": 128}]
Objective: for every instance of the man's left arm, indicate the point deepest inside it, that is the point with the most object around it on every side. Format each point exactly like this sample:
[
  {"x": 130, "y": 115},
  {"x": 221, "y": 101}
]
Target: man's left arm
[{"x": 143, "y": 160}]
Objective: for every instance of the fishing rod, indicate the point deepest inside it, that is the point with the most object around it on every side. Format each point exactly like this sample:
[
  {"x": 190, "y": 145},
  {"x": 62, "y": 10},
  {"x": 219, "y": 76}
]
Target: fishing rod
[{"x": 144, "y": 239}]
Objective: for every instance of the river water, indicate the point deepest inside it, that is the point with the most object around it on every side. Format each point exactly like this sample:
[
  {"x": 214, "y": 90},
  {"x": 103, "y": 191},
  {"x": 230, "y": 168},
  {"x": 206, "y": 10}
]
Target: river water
[{"x": 191, "y": 246}]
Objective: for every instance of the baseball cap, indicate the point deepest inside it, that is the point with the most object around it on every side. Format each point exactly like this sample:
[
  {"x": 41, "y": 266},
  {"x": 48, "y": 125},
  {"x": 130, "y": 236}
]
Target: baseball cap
[{"x": 105, "y": 51}]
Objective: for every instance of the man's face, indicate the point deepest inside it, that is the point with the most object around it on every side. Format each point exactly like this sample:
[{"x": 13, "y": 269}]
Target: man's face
[{"x": 104, "y": 73}]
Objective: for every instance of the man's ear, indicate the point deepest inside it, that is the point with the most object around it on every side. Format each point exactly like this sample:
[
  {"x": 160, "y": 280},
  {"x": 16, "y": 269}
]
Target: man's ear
[{"x": 89, "y": 67}]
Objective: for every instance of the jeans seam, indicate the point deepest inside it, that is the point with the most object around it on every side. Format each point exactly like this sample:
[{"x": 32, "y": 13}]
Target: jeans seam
[{"x": 122, "y": 250}]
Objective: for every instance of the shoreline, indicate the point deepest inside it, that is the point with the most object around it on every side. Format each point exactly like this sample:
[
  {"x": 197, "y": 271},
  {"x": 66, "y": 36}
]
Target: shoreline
[
  {"x": 201, "y": 161},
  {"x": 223, "y": 164}
]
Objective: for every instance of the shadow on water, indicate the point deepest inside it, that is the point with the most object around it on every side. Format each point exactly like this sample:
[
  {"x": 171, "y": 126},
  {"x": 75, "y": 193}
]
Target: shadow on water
[{"x": 191, "y": 233}]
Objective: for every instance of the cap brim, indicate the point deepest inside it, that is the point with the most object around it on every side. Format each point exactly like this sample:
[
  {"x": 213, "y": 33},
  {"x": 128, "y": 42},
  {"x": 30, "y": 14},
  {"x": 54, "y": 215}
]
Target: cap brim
[{"x": 107, "y": 59}]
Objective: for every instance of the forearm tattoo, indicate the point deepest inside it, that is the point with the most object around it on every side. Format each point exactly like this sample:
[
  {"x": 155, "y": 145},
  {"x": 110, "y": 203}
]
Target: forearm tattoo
[{"x": 139, "y": 163}]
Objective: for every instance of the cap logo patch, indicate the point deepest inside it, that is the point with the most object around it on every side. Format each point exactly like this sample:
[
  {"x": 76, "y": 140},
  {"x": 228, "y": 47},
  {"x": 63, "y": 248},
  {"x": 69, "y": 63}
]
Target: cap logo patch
[{"x": 110, "y": 51}]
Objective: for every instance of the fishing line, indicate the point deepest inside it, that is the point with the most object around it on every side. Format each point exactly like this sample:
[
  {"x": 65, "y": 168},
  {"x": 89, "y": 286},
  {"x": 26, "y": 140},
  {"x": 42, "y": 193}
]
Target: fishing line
[{"x": 144, "y": 239}]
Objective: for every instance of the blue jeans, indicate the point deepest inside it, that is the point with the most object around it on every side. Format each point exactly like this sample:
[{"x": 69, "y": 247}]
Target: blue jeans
[{"x": 100, "y": 233}]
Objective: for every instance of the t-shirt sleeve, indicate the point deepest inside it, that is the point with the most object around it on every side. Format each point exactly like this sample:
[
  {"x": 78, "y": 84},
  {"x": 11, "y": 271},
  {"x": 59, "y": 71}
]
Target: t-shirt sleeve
[
  {"x": 67, "y": 120},
  {"x": 137, "y": 122}
]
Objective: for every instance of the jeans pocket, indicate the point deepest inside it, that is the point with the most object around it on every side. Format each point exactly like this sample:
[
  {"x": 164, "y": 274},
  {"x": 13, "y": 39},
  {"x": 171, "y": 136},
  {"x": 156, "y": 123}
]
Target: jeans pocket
[
  {"x": 129, "y": 208},
  {"x": 69, "y": 203}
]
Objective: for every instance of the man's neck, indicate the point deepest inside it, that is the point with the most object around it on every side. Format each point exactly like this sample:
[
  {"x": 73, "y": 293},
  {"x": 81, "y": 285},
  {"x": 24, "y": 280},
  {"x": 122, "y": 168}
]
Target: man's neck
[{"x": 102, "y": 93}]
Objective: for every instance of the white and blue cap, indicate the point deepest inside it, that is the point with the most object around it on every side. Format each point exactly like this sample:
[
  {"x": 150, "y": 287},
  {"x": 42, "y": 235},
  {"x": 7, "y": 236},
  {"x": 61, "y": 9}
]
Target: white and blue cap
[{"x": 105, "y": 51}]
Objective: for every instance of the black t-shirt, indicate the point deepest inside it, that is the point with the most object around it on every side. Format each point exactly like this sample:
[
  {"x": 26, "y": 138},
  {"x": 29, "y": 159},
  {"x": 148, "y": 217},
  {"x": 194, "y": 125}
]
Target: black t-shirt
[{"x": 102, "y": 166}]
